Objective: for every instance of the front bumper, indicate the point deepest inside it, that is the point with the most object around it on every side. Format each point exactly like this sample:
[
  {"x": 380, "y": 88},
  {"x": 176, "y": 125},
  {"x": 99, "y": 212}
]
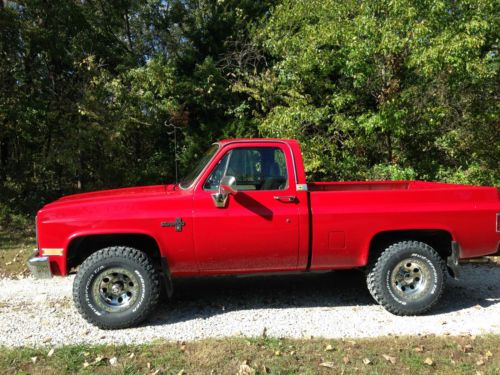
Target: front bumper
[{"x": 39, "y": 267}]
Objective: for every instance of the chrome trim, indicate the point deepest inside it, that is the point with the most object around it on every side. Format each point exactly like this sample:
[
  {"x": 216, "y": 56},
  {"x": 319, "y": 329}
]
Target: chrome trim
[
  {"x": 39, "y": 267},
  {"x": 301, "y": 187},
  {"x": 285, "y": 198},
  {"x": 178, "y": 224},
  {"x": 227, "y": 186},
  {"x": 220, "y": 199}
]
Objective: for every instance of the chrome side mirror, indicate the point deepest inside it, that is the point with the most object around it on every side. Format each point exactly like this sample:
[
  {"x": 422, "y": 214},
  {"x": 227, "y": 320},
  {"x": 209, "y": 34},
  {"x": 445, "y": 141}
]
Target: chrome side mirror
[{"x": 227, "y": 186}]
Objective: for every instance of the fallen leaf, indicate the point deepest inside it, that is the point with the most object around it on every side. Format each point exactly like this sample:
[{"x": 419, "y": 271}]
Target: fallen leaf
[
  {"x": 98, "y": 359},
  {"x": 366, "y": 361},
  {"x": 468, "y": 348},
  {"x": 277, "y": 353},
  {"x": 132, "y": 355},
  {"x": 346, "y": 360},
  {"x": 488, "y": 354},
  {"x": 50, "y": 353},
  {"x": 34, "y": 359},
  {"x": 113, "y": 361},
  {"x": 86, "y": 364},
  {"x": 328, "y": 348},
  {"x": 47, "y": 339},
  {"x": 148, "y": 365},
  {"x": 480, "y": 362},
  {"x": 157, "y": 372},
  {"x": 292, "y": 352},
  {"x": 419, "y": 349},
  {"x": 388, "y": 358},
  {"x": 327, "y": 364},
  {"x": 429, "y": 361},
  {"x": 182, "y": 372},
  {"x": 245, "y": 369}
]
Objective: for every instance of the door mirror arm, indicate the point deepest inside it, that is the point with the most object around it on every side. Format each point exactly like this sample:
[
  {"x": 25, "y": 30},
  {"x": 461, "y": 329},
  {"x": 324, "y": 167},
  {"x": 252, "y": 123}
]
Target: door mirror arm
[{"x": 227, "y": 186}]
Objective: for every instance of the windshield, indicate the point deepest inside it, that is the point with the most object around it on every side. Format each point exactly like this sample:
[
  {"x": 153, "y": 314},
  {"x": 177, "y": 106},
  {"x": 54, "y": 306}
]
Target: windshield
[{"x": 189, "y": 179}]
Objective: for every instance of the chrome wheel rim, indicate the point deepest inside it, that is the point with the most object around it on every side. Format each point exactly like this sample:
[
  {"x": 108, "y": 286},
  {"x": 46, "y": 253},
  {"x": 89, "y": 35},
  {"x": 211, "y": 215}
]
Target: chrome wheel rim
[
  {"x": 116, "y": 289},
  {"x": 410, "y": 279}
]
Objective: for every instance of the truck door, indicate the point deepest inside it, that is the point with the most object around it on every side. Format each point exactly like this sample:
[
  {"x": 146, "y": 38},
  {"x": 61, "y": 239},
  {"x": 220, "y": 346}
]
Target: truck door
[{"x": 258, "y": 229}]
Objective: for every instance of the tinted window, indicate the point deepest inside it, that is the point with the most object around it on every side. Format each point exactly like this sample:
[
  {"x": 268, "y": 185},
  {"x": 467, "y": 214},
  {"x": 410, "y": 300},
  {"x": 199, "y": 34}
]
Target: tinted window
[
  {"x": 189, "y": 179},
  {"x": 260, "y": 168}
]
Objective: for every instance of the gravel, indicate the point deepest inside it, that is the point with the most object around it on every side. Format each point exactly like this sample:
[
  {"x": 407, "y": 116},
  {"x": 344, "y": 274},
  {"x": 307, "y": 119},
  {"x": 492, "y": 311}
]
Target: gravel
[{"x": 333, "y": 305}]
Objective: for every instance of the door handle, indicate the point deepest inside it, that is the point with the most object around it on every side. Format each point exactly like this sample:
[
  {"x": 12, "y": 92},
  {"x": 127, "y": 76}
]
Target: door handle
[{"x": 285, "y": 198}]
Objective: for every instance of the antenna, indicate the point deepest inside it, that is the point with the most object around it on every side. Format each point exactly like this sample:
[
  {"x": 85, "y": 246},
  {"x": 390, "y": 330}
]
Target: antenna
[{"x": 174, "y": 132}]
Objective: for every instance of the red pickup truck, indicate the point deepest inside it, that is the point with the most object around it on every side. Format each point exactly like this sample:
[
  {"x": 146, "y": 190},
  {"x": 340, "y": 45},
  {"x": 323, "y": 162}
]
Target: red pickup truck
[{"x": 246, "y": 208}]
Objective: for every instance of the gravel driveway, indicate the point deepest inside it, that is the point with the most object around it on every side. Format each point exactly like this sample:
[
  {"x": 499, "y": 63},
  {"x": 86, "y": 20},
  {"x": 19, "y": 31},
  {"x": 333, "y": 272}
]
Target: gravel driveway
[{"x": 334, "y": 305}]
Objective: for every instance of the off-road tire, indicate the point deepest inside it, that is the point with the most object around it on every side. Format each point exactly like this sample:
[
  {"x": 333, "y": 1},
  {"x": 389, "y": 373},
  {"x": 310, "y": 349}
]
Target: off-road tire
[
  {"x": 133, "y": 262},
  {"x": 382, "y": 272}
]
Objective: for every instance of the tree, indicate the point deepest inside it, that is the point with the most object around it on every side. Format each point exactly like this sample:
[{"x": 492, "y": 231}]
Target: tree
[{"x": 382, "y": 89}]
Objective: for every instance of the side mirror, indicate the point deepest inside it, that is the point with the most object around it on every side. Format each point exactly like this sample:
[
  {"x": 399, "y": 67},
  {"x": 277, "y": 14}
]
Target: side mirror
[{"x": 227, "y": 186}]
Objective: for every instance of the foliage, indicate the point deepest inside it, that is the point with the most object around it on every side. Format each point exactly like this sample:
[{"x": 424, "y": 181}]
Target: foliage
[
  {"x": 92, "y": 91},
  {"x": 408, "y": 87}
]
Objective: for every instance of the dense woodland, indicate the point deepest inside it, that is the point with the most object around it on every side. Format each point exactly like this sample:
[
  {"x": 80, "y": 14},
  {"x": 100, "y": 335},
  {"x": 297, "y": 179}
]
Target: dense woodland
[{"x": 91, "y": 91}]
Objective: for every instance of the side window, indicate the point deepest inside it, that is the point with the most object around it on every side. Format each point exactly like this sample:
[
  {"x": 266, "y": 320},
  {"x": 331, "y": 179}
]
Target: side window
[
  {"x": 255, "y": 168},
  {"x": 212, "y": 182}
]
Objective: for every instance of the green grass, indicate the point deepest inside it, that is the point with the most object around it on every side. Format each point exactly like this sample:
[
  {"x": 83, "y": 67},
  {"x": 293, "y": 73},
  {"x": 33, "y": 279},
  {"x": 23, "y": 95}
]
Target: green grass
[{"x": 266, "y": 356}]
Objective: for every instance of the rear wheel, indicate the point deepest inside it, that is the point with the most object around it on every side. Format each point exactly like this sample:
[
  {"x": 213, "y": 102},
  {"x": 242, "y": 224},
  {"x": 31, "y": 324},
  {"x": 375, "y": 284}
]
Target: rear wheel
[
  {"x": 408, "y": 278},
  {"x": 116, "y": 287}
]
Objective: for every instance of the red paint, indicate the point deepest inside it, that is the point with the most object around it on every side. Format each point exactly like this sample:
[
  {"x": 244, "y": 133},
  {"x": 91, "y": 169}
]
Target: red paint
[{"x": 334, "y": 221}]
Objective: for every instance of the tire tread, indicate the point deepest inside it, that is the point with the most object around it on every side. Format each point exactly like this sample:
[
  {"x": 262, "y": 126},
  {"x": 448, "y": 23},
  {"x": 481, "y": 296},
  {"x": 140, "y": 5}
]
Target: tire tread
[
  {"x": 129, "y": 253},
  {"x": 374, "y": 274}
]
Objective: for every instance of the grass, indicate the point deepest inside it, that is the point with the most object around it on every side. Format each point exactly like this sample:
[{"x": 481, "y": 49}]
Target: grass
[
  {"x": 406, "y": 355},
  {"x": 15, "y": 248}
]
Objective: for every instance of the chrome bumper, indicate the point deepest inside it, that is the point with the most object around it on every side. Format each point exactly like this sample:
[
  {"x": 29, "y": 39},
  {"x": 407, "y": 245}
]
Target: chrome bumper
[{"x": 39, "y": 267}]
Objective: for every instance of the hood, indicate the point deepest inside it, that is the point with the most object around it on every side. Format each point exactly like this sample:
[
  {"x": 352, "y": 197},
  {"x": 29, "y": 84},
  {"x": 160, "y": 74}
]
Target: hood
[
  {"x": 124, "y": 194},
  {"x": 132, "y": 192},
  {"x": 107, "y": 204}
]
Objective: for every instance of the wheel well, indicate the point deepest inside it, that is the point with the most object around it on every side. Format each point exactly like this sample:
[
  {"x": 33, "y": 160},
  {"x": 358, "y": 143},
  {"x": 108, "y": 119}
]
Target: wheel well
[
  {"x": 439, "y": 240},
  {"x": 81, "y": 248}
]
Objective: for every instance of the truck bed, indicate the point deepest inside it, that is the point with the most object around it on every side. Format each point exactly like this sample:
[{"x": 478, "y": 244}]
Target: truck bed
[{"x": 346, "y": 214}]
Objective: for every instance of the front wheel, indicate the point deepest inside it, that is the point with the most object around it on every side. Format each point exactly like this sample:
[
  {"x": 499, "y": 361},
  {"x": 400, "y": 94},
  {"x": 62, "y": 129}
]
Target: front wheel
[
  {"x": 408, "y": 278},
  {"x": 116, "y": 287}
]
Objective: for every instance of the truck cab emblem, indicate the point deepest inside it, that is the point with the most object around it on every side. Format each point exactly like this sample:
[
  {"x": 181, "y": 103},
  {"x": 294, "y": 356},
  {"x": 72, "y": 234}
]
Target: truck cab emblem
[{"x": 178, "y": 224}]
